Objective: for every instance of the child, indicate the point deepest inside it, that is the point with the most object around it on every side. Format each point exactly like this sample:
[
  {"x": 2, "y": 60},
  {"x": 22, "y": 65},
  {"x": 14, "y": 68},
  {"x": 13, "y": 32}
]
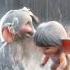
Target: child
[{"x": 49, "y": 37}]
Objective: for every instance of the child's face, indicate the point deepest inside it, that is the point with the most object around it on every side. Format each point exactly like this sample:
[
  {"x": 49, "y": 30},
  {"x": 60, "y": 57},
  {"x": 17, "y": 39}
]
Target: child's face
[{"x": 50, "y": 51}]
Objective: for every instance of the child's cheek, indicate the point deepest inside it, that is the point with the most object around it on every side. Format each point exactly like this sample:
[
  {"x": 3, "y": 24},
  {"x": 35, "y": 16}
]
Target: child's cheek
[{"x": 48, "y": 51}]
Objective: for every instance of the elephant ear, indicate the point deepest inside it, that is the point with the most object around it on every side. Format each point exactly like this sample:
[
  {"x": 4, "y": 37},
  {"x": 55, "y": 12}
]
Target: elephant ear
[
  {"x": 7, "y": 35},
  {"x": 12, "y": 27},
  {"x": 9, "y": 29}
]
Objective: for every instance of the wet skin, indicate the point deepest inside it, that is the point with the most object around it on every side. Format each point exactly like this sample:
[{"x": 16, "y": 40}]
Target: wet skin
[{"x": 58, "y": 57}]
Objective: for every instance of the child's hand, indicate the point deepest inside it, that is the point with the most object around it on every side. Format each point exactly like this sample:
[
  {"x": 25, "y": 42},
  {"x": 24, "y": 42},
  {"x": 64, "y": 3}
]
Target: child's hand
[
  {"x": 44, "y": 60},
  {"x": 63, "y": 62},
  {"x": 59, "y": 68}
]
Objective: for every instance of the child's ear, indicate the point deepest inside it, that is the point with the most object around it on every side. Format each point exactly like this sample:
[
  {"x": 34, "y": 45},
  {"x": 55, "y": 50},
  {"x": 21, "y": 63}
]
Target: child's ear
[{"x": 7, "y": 35}]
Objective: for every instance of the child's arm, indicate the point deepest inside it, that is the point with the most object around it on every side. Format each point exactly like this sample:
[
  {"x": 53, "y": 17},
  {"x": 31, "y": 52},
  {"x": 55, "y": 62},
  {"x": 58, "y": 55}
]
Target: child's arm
[
  {"x": 63, "y": 62},
  {"x": 44, "y": 60}
]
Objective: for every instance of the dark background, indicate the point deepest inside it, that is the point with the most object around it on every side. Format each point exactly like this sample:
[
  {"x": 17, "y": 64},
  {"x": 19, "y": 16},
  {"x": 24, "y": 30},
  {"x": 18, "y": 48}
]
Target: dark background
[{"x": 44, "y": 9}]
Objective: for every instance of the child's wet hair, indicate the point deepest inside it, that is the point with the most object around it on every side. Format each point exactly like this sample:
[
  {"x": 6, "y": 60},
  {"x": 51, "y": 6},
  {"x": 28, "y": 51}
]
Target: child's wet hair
[
  {"x": 41, "y": 40},
  {"x": 49, "y": 34}
]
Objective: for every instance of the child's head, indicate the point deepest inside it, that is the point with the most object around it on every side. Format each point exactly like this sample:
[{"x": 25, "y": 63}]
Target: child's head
[{"x": 49, "y": 35}]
